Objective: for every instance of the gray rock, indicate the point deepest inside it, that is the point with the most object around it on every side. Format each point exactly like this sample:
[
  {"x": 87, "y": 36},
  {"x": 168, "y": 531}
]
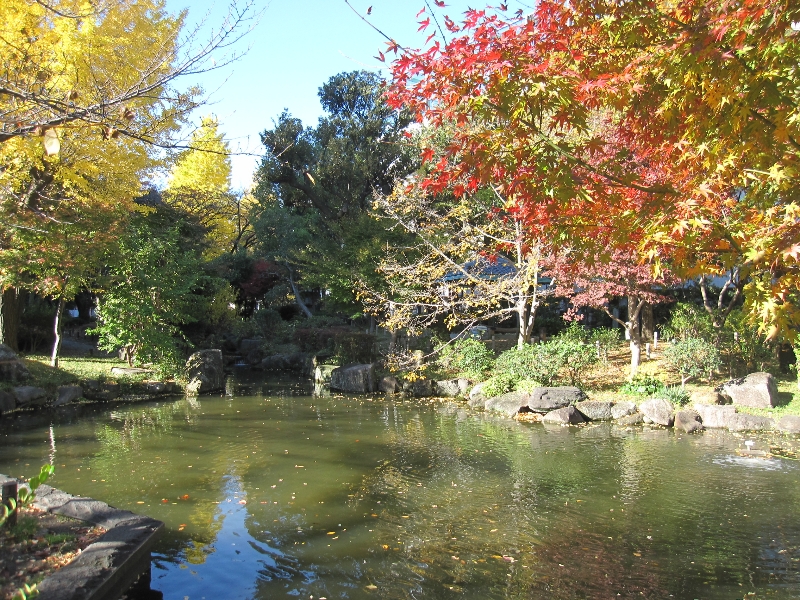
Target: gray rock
[
  {"x": 789, "y": 424},
  {"x": 447, "y": 388},
  {"x": 206, "y": 372},
  {"x": 103, "y": 392},
  {"x": 246, "y": 346},
  {"x": 715, "y": 416},
  {"x": 128, "y": 371},
  {"x": 464, "y": 386},
  {"x": 622, "y": 409},
  {"x": 322, "y": 373},
  {"x": 12, "y": 369},
  {"x": 28, "y": 395},
  {"x": 477, "y": 398},
  {"x": 636, "y": 418},
  {"x": 67, "y": 394},
  {"x": 7, "y": 402},
  {"x": 419, "y": 388},
  {"x": 354, "y": 379},
  {"x": 688, "y": 421},
  {"x": 568, "y": 415},
  {"x": 509, "y": 403},
  {"x": 757, "y": 390},
  {"x": 298, "y": 361},
  {"x": 545, "y": 399},
  {"x": 154, "y": 387},
  {"x": 706, "y": 396},
  {"x": 745, "y": 422},
  {"x": 255, "y": 356},
  {"x": 658, "y": 410},
  {"x": 595, "y": 411},
  {"x": 389, "y": 385}
]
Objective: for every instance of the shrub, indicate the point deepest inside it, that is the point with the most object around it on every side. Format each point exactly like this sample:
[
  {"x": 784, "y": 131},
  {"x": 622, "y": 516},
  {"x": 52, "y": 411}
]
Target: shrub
[
  {"x": 676, "y": 395},
  {"x": 692, "y": 357},
  {"x": 564, "y": 359},
  {"x": 688, "y": 321},
  {"x": 642, "y": 385},
  {"x": 468, "y": 357},
  {"x": 499, "y": 384},
  {"x": 604, "y": 339}
]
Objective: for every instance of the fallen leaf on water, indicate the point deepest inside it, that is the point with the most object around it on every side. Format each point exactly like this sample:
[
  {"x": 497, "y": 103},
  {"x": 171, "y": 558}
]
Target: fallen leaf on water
[
  {"x": 185, "y": 497},
  {"x": 331, "y": 533},
  {"x": 372, "y": 587},
  {"x": 242, "y": 501},
  {"x": 164, "y": 500}
]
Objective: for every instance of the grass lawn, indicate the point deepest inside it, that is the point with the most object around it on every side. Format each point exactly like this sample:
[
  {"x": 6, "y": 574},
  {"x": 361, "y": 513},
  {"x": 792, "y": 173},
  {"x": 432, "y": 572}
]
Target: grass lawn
[
  {"x": 72, "y": 370},
  {"x": 605, "y": 380}
]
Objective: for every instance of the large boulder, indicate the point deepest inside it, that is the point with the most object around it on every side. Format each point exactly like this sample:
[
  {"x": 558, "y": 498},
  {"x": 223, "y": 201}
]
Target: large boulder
[
  {"x": 477, "y": 399},
  {"x": 297, "y": 361},
  {"x": 322, "y": 373},
  {"x": 389, "y": 385},
  {"x": 789, "y": 424},
  {"x": 622, "y": 409},
  {"x": 28, "y": 395},
  {"x": 636, "y": 418},
  {"x": 745, "y": 422},
  {"x": 715, "y": 416},
  {"x": 354, "y": 379},
  {"x": 12, "y": 369},
  {"x": 67, "y": 394},
  {"x": 757, "y": 390},
  {"x": 546, "y": 399},
  {"x": 206, "y": 372},
  {"x": 595, "y": 411},
  {"x": 688, "y": 421},
  {"x": 7, "y": 402},
  {"x": 568, "y": 415},
  {"x": 509, "y": 404},
  {"x": 658, "y": 410},
  {"x": 447, "y": 388},
  {"x": 705, "y": 396},
  {"x": 419, "y": 388},
  {"x": 94, "y": 389},
  {"x": 246, "y": 346}
]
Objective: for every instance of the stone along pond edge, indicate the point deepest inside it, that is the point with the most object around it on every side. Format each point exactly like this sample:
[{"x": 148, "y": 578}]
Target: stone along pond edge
[{"x": 111, "y": 565}]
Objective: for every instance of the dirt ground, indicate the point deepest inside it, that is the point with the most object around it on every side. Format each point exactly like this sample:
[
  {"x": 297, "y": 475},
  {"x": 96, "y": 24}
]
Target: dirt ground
[{"x": 39, "y": 544}]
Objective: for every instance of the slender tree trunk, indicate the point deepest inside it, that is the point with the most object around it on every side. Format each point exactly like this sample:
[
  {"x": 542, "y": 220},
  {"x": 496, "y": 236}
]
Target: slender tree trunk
[
  {"x": 648, "y": 327},
  {"x": 636, "y": 350},
  {"x": 296, "y": 293},
  {"x": 9, "y": 318},
  {"x": 58, "y": 327}
]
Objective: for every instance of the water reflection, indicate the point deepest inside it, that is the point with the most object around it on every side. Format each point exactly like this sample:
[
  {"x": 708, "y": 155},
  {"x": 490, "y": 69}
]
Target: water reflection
[{"x": 269, "y": 491}]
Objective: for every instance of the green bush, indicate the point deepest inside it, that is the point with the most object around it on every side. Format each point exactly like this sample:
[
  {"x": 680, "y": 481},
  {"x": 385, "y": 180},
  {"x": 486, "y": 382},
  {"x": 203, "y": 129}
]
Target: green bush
[
  {"x": 746, "y": 349},
  {"x": 642, "y": 385},
  {"x": 467, "y": 357},
  {"x": 677, "y": 395},
  {"x": 688, "y": 321},
  {"x": 604, "y": 339},
  {"x": 692, "y": 357},
  {"x": 564, "y": 359},
  {"x": 499, "y": 384}
]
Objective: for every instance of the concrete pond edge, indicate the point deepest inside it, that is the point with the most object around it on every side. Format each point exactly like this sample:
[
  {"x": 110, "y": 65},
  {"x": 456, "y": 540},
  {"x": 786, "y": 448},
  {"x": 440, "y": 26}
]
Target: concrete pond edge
[{"x": 110, "y": 566}]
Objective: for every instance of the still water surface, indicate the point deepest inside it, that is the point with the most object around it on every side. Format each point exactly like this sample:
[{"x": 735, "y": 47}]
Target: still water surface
[{"x": 268, "y": 492}]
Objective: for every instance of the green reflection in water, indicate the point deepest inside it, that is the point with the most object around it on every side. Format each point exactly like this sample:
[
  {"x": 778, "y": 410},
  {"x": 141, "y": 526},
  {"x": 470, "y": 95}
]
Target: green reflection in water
[{"x": 268, "y": 492}]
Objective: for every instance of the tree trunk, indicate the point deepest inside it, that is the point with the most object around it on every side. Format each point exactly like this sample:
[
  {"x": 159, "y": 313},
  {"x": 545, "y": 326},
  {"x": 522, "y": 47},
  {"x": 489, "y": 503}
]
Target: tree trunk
[
  {"x": 636, "y": 350},
  {"x": 296, "y": 293},
  {"x": 9, "y": 318},
  {"x": 648, "y": 327},
  {"x": 58, "y": 327},
  {"x": 634, "y": 332}
]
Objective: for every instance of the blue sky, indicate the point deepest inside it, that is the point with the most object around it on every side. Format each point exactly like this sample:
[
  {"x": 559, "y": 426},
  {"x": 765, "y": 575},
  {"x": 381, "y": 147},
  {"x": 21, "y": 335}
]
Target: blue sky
[{"x": 296, "y": 46}]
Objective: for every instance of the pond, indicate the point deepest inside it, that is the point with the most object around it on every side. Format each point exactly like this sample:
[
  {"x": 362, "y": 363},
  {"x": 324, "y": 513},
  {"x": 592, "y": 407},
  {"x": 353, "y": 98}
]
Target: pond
[{"x": 269, "y": 492}]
